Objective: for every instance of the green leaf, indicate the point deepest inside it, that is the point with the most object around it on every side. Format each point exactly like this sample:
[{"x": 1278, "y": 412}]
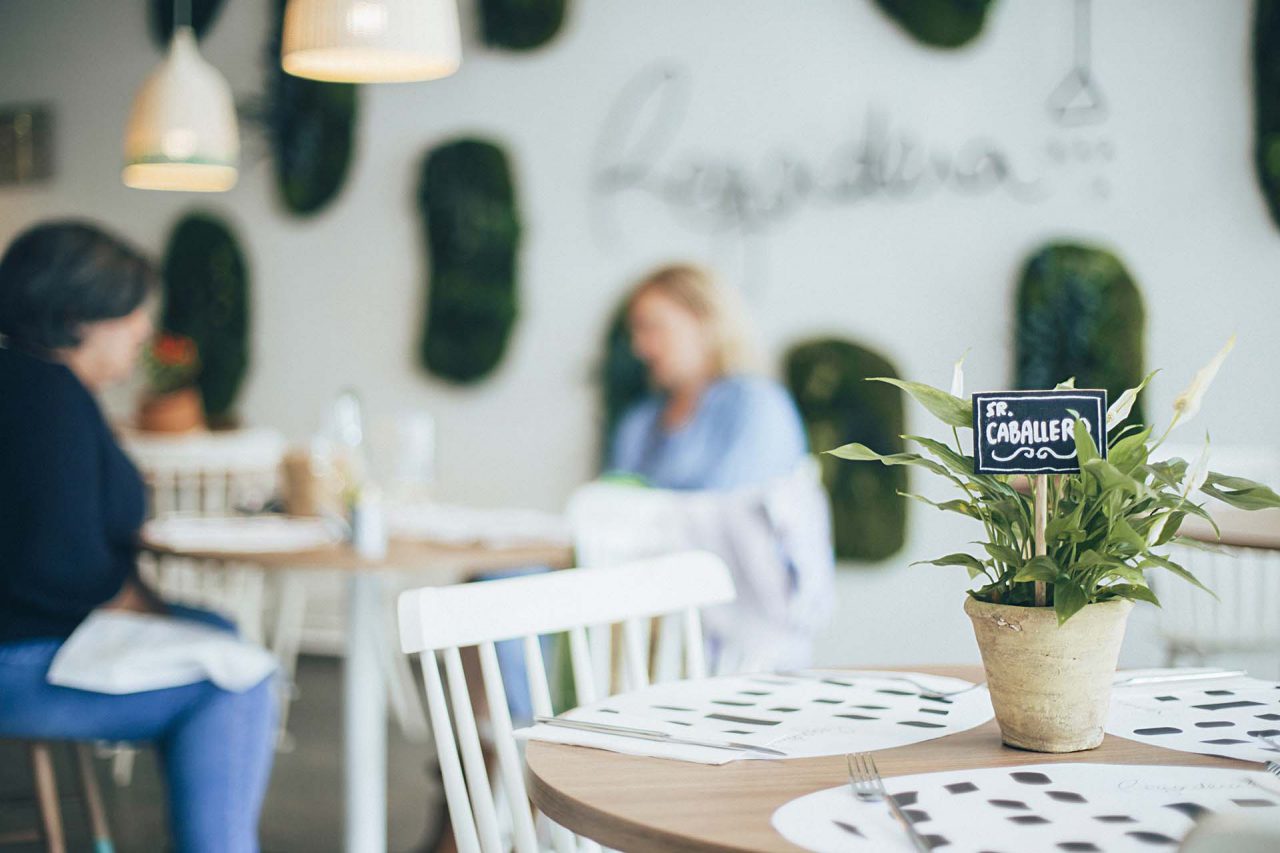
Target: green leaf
[
  {"x": 1068, "y": 599},
  {"x": 962, "y": 465},
  {"x": 1239, "y": 492},
  {"x": 1111, "y": 478},
  {"x": 1085, "y": 448},
  {"x": 1133, "y": 592},
  {"x": 1122, "y": 533},
  {"x": 967, "y": 508},
  {"x": 1166, "y": 563},
  {"x": 861, "y": 453},
  {"x": 973, "y": 564},
  {"x": 1171, "y": 523},
  {"x": 946, "y": 408},
  {"x": 1130, "y": 452},
  {"x": 1004, "y": 554},
  {"x": 1041, "y": 568}
]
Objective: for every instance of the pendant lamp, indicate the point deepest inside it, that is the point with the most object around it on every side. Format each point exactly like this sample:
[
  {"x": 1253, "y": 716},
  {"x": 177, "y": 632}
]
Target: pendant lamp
[
  {"x": 371, "y": 41},
  {"x": 182, "y": 132}
]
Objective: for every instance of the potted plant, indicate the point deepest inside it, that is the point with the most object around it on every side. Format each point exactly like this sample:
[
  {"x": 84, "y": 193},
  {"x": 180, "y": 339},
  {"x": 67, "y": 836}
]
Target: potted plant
[
  {"x": 172, "y": 401},
  {"x": 1050, "y": 668}
]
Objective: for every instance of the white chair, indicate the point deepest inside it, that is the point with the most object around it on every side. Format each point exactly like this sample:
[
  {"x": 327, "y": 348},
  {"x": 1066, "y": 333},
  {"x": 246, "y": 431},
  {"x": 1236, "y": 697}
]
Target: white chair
[
  {"x": 210, "y": 473},
  {"x": 435, "y": 622},
  {"x": 1192, "y": 625}
]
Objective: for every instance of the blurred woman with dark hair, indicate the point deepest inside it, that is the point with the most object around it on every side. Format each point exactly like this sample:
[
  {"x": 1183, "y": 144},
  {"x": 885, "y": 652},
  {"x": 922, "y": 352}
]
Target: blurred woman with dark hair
[{"x": 73, "y": 320}]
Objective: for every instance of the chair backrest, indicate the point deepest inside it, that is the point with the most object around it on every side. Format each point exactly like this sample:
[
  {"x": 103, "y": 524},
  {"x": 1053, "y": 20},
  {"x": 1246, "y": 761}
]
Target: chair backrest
[
  {"x": 1243, "y": 617},
  {"x": 207, "y": 473},
  {"x": 435, "y": 622}
]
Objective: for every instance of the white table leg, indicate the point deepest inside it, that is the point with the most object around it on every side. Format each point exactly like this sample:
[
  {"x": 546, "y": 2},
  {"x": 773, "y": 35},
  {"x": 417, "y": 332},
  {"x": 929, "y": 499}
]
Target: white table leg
[{"x": 365, "y": 719}]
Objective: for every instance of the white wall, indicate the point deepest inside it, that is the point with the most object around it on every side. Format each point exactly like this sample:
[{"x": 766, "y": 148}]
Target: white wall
[{"x": 338, "y": 298}]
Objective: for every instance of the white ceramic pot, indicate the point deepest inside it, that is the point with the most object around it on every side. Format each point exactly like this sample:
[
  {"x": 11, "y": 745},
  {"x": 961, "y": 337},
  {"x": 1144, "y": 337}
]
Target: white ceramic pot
[{"x": 1050, "y": 685}]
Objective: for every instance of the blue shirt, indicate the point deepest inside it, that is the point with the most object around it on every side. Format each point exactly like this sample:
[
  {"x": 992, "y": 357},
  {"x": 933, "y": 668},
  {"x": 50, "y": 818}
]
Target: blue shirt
[{"x": 744, "y": 432}]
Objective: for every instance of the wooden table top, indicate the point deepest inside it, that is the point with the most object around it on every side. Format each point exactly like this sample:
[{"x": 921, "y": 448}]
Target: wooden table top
[
  {"x": 1240, "y": 528},
  {"x": 637, "y": 804},
  {"x": 414, "y": 555}
]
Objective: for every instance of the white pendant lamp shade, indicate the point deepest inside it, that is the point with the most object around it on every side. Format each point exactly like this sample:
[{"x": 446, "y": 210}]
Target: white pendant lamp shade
[
  {"x": 371, "y": 41},
  {"x": 182, "y": 132}
]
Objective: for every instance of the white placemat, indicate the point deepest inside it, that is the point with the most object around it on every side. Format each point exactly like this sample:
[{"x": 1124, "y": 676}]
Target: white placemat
[
  {"x": 239, "y": 534},
  {"x": 470, "y": 525},
  {"x": 1220, "y": 716},
  {"x": 802, "y": 715},
  {"x": 1050, "y": 807}
]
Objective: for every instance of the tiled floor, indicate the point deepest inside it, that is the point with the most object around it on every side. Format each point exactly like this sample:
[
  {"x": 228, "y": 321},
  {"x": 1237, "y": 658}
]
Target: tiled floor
[{"x": 304, "y": 806}]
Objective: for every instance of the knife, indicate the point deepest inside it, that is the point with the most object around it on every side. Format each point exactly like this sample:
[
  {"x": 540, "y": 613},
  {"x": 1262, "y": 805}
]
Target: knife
[
  {"x": 652, "y": 734},
  {"x": 1183, "y": 676}
]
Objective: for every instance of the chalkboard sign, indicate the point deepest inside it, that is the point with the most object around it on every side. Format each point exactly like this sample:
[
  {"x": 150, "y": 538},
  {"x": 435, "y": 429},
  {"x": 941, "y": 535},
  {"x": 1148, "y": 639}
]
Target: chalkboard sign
[{"x": 1031, "y": 432}]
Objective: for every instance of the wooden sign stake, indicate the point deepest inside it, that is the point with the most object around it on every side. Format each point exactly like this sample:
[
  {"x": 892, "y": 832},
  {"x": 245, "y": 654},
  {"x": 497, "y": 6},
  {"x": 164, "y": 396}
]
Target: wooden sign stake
[{"x": 1041, "y": 521}]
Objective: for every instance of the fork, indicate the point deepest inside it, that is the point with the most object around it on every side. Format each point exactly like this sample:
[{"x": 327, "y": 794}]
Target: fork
[
  {"x": 868, "y": 787},
  {"x": 926, "y": 692},
  {"x": 1273, "y": 767}
]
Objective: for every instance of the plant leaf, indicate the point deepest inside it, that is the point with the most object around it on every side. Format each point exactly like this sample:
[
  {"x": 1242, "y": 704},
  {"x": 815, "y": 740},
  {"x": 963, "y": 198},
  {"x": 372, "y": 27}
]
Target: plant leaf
[
  {"x": 950, "y": 410},
  {"x": 1131, "y": 591},
  {"x": 1068, "y": 599},
  {"x": 1003, "y": 553},
  {"x": 1166, "y": 563},
  {"x": 1239, "y": 492},
  {"x": 973, "y": 564},
  {"x": 1041, "y": 568}
]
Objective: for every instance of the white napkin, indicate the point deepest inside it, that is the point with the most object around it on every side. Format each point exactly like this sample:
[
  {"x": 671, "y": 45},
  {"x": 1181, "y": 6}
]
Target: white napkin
[
  {"x": 467, "y": 525},
  {"x": 239, "y": 534},
  {"x": 118, "y": 652}
]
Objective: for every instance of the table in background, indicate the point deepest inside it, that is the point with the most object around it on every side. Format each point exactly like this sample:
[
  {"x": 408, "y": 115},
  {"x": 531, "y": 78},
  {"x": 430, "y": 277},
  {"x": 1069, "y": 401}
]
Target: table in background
[
  {"x": 364, "y": 696},
  {"x": 636, "y": 804}
]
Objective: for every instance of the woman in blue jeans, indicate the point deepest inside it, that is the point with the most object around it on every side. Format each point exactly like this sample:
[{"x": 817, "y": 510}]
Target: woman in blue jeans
[{"x": 73, "y": 320}]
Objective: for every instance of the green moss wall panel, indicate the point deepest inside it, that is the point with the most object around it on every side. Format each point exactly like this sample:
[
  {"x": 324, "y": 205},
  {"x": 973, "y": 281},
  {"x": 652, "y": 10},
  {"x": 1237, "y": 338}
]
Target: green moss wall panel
[
  {"x": 1266, "y": 101},
  {"x": 520, "y": 24},
  {"x": 622, "y": 378},
  {"x": 827, "y": 378},
  {"x": 1078, "y": 313},
  {"x": 206, "y": 298},
  {"x": 939, "y": 23},
  {"x": 311, "y": 129},
  {"x": 472, "y": 234}
]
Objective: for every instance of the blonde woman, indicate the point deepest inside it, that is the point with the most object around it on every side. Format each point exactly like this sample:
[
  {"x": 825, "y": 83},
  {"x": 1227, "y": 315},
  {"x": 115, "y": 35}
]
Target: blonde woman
[
  {"x": 710, "y": 423},
  {"x": 726, "y": 454}
]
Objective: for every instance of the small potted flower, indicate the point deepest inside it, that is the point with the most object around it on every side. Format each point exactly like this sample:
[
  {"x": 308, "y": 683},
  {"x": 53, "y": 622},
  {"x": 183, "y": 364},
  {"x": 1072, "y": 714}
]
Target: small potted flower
[
  {"x": 171, "y": 402},
  {"x": 1050, "y": 666}
]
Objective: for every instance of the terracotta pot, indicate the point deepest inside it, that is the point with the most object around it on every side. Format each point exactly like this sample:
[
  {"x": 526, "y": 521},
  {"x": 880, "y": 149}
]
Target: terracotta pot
[
  {"x": 1050, "y": 685},
  {"x": 177, "y": 411}
]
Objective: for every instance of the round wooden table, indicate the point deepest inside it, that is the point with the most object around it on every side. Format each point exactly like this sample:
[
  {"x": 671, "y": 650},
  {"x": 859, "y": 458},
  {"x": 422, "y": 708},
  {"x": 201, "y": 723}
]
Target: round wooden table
[
  {"x": 636, "y": 804},
  {"x": 364, "y": 706}
]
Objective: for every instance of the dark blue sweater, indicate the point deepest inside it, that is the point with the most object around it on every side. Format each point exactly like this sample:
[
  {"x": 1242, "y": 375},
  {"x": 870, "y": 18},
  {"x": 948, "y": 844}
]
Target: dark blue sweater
[{"x": 71, "y": 502}]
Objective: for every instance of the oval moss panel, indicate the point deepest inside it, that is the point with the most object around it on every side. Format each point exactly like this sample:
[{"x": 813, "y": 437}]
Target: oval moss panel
[
  {"x": 520, "y": 24},
  {"x": 1078, "y": 313},
  {"x": 472, "y": 233},
  {"x": 622, "y": 378},
  {"x": 311, "y": 129},
  {"x": 206, "y": 298},
  {"x": 828, "y": 379},
  {"x": 1266, "y": 101},
  {"x": 939, "y": 23}
]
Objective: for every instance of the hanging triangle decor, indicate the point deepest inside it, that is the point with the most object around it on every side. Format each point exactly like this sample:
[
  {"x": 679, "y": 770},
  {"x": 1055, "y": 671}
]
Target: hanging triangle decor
[
  {"x": 1078, "y": 100},
  {"x": 939, "y": 23},
  {"x": 311, "y": 129},
  {"x": 471, "y": 226},
  {"x": 1266, "y": 101}
]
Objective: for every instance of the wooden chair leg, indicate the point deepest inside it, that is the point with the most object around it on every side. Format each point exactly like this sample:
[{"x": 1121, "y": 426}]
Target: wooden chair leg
[
  {"x": 46, "y": 786},
  {"x": 95, "y": 812}
]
